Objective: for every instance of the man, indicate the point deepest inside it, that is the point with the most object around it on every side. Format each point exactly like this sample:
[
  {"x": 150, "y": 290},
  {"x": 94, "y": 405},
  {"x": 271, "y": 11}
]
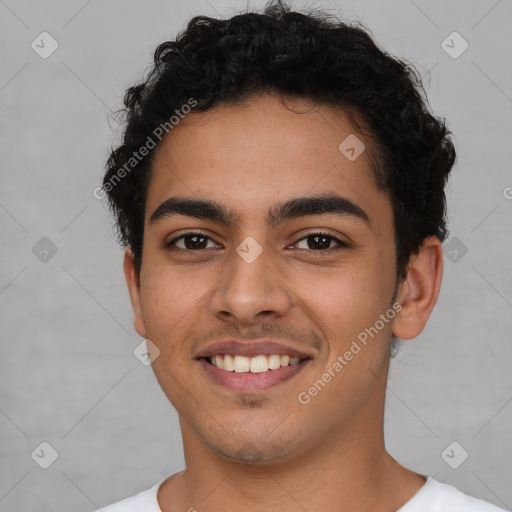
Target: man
[{"x": 280, "y": 193}]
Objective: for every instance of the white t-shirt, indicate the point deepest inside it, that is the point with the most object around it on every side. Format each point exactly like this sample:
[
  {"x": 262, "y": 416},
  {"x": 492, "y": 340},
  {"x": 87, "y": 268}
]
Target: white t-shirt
[{"x": 432, "y": 497}]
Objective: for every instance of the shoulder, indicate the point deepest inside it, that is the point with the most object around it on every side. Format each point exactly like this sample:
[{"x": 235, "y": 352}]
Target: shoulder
[
  {"x": 126, "y": 505},
  {"x": 435, "y": 496},
  {"x": 145, "y": 501}
]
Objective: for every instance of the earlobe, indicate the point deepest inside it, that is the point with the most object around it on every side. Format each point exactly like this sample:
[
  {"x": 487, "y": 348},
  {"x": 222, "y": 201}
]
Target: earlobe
[
  {"x": 419, "y": 291},
  {"x": 133, "y": 282}
]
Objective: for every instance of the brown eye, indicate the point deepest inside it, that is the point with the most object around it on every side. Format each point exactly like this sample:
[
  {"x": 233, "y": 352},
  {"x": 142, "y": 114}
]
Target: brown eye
[
  {"x": 319, "y": 242},
  {"x": 191, "y": 241}
]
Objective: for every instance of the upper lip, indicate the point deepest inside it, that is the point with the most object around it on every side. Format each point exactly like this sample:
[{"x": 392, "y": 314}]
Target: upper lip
[{"x": 250, "y": 348}]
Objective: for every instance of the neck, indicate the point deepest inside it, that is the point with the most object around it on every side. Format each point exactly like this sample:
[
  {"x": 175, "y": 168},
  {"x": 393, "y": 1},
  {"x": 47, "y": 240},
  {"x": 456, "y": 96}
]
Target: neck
[{"x": 349, "y": 471}]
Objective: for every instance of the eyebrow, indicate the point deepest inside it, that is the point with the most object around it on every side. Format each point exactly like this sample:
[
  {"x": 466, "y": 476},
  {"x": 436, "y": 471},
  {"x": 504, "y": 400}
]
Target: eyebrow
[{"x": 278, "y": 213}]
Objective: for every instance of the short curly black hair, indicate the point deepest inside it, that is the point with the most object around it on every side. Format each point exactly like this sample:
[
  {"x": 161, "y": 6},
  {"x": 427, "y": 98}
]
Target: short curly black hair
[{"x": 314, "y": 56}]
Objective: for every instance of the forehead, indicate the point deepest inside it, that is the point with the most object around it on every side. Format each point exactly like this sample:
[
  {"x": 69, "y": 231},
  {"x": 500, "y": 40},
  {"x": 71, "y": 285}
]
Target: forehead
[{"x": 254, "y": 155}]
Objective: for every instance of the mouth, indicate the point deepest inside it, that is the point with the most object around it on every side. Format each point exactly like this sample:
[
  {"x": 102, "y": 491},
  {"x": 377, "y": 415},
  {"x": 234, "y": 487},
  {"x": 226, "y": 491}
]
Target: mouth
[{"x": 259, "y": 372}]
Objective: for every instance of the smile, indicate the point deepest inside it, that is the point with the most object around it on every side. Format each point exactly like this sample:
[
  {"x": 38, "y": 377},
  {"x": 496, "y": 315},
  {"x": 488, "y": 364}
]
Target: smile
[
  {"x": 258, "y": 364},
  {"x": 252, "y": 373}
]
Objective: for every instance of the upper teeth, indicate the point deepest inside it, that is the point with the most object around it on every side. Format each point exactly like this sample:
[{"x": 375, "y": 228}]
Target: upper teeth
[{"x": 257, "y": 364}]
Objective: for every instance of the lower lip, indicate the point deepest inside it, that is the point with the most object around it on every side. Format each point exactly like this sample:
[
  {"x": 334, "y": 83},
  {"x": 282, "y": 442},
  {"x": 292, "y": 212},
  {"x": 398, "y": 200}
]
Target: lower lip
[{"x": 248, "y": 381}]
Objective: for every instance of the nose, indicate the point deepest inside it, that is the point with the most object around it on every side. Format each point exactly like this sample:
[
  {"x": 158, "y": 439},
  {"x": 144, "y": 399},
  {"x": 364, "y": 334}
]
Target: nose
[{"x": 250, "y": 291}]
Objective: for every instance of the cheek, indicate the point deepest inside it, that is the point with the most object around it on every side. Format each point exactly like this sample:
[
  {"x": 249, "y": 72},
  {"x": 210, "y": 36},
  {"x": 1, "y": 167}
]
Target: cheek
[
  {"x": 172, "y": 299},
  {"x": 172, "y": 303},
  {"x": 347, "y": 303},
  {"x": 343, "y": 300}
]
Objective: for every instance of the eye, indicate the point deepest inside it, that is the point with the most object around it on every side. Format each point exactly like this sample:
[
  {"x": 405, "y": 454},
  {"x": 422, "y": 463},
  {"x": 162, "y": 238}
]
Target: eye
[
  {"x": 190, "y": 241},
  {"x": 196, "y": 241},
  {"x": 319, "y": 242}
]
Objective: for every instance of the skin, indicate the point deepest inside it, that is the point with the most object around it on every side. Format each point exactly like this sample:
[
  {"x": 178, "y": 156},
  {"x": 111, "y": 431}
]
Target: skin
[{"x": 264, "y": 448}]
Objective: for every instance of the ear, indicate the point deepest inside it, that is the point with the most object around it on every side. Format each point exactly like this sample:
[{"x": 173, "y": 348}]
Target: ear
[
  {"x": 133, "y": 282},
  {"x": 419, "y": 291}
]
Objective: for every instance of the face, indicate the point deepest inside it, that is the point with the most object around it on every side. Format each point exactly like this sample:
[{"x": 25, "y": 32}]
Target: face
[{"x": 310, "y": 277}]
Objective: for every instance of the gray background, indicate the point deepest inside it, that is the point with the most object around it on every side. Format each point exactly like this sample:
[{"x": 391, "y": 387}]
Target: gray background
[{"x": 68, "y": 373}]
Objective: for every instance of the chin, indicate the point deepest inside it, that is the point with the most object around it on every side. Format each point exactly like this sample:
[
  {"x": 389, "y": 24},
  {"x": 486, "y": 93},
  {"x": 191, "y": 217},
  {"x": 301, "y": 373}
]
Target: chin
[
  {"x": 250, "y": 454},
  {"x": 256, "y": 450}
]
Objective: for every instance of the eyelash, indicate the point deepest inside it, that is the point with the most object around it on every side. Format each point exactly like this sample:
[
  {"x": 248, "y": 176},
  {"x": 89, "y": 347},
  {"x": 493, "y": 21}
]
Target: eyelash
[{"x": 340, "y": 243}]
